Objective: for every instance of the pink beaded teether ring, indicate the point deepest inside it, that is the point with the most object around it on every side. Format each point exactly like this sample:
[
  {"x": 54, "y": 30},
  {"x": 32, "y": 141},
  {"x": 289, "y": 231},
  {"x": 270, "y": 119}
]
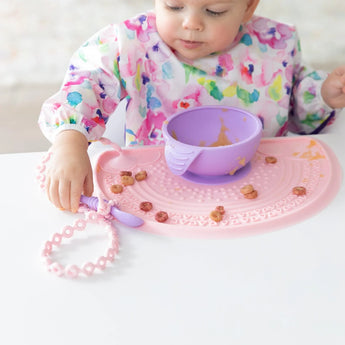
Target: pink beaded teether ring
[
  {"x": 102, "y": 217},
  {"x": 73, "y": 271}
]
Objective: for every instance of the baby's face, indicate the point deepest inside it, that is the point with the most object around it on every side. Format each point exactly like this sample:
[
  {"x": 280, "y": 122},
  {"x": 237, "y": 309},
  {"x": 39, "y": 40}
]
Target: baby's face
[{"x": 198, "y": 28}]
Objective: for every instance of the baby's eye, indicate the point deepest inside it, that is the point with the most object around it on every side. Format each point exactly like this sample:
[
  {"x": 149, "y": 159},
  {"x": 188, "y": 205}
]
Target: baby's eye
[
  {"x": 174, "y": 8},
  {"x": 215, "y": 13}
]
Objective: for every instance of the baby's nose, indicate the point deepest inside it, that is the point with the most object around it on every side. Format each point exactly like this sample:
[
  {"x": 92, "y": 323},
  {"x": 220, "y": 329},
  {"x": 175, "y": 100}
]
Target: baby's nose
[{"x": 193, "y": 21}]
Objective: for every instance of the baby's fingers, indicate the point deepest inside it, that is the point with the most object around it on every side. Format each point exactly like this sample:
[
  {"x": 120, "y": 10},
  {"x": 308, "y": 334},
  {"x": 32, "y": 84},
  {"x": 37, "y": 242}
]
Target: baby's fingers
[
  {"x": 88, "y": 185},
  {"x": 64, "y": 194},
  {"x": 53, "y": 192},
  {"x": 343, "y": 82},
  {"x": 76, "y": 190}
]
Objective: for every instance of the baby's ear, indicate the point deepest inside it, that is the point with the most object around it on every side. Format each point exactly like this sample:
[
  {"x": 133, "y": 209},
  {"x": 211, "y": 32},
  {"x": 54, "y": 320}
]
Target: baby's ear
[{"x": 251, "y": 7}]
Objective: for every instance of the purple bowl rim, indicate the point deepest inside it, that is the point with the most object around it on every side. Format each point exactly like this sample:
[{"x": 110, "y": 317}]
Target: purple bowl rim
[{"x": 254, "y": 135}]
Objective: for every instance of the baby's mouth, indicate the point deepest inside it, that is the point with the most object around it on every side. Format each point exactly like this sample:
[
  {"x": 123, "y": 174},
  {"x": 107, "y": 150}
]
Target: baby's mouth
[{"x": 191, "y": 44}]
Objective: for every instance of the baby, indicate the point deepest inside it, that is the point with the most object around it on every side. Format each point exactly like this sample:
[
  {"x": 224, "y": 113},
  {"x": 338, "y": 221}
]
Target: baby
[{"x": 185, "y": 54}]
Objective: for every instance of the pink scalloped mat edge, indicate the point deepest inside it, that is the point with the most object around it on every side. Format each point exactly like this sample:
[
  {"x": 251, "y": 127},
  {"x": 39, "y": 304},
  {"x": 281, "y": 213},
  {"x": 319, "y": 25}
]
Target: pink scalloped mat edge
[{"x": 301, "y": 161}]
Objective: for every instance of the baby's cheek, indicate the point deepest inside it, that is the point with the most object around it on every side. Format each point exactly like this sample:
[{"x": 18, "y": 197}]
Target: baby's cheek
[
  {"x": 220, "y": 41},
  {"x": 166, "y": 31}
]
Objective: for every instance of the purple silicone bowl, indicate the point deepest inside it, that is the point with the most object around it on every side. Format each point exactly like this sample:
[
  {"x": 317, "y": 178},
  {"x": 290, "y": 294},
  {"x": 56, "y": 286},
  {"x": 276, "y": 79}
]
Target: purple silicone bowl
[{"x": 211, "y": 140}]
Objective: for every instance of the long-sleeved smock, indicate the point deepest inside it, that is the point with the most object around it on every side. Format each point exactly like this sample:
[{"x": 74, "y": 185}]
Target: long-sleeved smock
[{"x": 261, "y": 72}]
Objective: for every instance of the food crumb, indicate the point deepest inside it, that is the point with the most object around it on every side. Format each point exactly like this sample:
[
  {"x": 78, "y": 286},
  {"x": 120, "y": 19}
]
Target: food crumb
[
  {"x": 299, "y": 191},
  {"x": 271, "y": 160}
]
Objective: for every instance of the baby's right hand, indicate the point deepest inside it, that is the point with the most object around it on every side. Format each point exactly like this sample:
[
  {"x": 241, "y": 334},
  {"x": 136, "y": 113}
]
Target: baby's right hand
[{"x": 69, "y": 173}]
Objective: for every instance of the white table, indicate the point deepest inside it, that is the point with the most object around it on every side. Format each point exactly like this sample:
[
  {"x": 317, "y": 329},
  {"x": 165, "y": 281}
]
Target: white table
[{"x": 283, "y": 287}]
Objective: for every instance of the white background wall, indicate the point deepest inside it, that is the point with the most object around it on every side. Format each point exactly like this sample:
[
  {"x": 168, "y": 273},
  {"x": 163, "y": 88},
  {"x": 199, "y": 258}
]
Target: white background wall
[{"x": 37, "y": 38}]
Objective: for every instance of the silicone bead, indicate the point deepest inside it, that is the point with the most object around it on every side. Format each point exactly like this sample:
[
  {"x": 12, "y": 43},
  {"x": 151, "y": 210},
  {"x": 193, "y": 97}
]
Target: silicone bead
[
  {"x": 57, "y": 268},
  {"x": 80, "y": 224},
  {"x": 111, "y": 254},
  {"x": 47, "y": 157},
  {"x": 72, "y": 271},
  {"x": 88, "y": 268},
  {"x": 101, "y": 262},
  {"x": 91, "y": 216},
  {"x": 67, "y": 231},
  {"x": 57, "y": 239},
  {"x": 48, "y": 247},
  {"x": 41, "y": 168},
  {"x": 115, "y": 244}
]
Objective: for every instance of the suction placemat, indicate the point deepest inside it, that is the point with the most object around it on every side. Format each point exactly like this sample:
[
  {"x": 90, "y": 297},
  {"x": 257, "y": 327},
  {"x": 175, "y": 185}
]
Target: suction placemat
[
  {"x": 218, "y": 179},
  {"x": 301, "y": 161}
]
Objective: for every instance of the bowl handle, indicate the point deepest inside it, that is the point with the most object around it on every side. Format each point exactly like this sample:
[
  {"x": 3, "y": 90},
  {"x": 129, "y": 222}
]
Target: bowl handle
[{"x": 179, "y": 157}]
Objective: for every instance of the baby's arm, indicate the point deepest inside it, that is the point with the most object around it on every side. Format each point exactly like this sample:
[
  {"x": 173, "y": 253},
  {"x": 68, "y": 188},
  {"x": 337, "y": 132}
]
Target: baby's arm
[
  {"x": 69, "y": 173},
  {"x": 311, "y": 109},
  {"x": 77, "y": 114},
  {"x": 333, "y": 88}
]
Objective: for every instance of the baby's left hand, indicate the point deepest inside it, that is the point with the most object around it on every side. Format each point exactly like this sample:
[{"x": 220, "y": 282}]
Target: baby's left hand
[{"x": 333, "y": 88}]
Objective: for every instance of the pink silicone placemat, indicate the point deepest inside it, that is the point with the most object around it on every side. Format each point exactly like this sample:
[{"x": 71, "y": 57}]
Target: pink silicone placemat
[{"x": 302, "y": 161}]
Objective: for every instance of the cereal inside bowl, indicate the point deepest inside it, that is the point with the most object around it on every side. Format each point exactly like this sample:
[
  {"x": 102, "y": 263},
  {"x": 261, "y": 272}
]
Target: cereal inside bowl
[{"x": 211, "y": 140}]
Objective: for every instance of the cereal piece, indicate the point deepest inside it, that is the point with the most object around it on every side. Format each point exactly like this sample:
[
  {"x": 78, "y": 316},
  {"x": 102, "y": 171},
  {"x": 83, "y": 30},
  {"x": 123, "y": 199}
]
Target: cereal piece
[
  {"x": 220, "y": 209},
  {"x": 271, "y": 160},
  {"x": 127, "y": 180},
  {"x": 161, "y": 216},
  {"x": 146, "y": 206},
  {"x": 125, "y": 173},
  {"x": 216, "y": 216},
  {"x": 116, "y": 188},
  {"x": 141, "y": 175},
  {"x": 247, "y": 189},
  {"x": 299, "y": 191},
  {"x": 252, "y": 195}
]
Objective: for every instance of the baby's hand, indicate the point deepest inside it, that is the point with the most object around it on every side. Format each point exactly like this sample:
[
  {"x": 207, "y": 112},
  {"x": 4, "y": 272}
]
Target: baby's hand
[
  {"x": 69, "y": 173},
  {"x": 333, "y": 88}
]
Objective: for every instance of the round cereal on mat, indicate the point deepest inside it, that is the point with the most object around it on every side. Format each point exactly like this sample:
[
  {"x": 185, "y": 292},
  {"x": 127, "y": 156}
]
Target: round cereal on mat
[
  {"x": 127, "y": 180},
  {"x": 299, "y": 190},
  {"x": 216, "y": 216},
  {"x": 252, "y": 195},
  {"x": 116, "y": 188},
  {"x": 161, "y": 216},
  {"x": 141, "y": 175},
  {"x": 247, "y": 189},
  {"x": 146, "y": 206},
  {"x": 220, "y": 209}
]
